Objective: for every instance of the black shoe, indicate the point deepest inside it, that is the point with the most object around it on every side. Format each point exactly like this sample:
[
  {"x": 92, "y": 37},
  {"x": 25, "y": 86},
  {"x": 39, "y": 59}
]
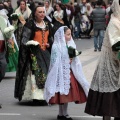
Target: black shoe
[
  {"x": 39, "y": 103},
  {"x": 0, "y": 106},
  {"x": 99, "y": 49},
  {"x": 60, "y": 117},
  {"x": 89, "y": 36},
  {"x": 67, "y": 117},
  {"x": 95, "y": 50}
]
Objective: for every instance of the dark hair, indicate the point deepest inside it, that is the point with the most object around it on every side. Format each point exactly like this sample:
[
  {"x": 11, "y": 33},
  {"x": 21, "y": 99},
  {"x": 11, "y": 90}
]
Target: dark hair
[
  {"x": 30, "y": 0},
  {"x": 40, "y": 4},
  {"x": 93, "y": 4},
  {"x": 77, "y": 9},
  {"x": 33, "y": 13},
  {"x": 1, "y": 6},
  {"x": 110, "y": 2},
  {"x": 18, "y": 3},
  {"x": 119, "y": 2},
  {"x": 104, "y": 4},
  {"x": 99, "y": 2},
  {"x": 71, "y": 3},
  {"x": 60, "y": 5},
  {"x": 65, "y": 29},
  {"x": 23, "y": 1},
  {"x": 47, "y": 1}
]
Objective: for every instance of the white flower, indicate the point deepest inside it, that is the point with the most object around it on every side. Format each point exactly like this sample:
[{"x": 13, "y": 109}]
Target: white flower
[
  {"x": 15, "y": 14},
  {"x": 28, "y": 5},
  {"x": 76, "y": 52},
  {"x": 32, "y": 42},
  {"x": 8, "y": 32},
  {"x": 9, "y": 29}
]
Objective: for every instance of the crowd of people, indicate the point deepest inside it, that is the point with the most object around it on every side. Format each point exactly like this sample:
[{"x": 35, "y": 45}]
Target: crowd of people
[
  {"x": 31, "y": 49},
  {"x": 37, "y": 41}
]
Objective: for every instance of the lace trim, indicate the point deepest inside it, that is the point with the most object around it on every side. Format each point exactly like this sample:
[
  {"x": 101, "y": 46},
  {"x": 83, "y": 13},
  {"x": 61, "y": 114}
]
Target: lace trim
[
  {"x": 106, "y": 77},
  {"x": 58, "y": 79}
]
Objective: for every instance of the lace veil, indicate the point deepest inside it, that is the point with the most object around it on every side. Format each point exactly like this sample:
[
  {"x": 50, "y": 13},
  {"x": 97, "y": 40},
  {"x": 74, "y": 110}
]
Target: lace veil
[
  {"x": 58, "y": 79},
  {"x": 116, "y": 9},
  {"x": 107, "y": 74}
]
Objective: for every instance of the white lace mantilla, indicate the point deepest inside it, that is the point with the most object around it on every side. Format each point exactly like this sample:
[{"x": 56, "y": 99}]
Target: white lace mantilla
[
  {"x": 107, "y": 74},
  {"x": 58, "y": 79}
]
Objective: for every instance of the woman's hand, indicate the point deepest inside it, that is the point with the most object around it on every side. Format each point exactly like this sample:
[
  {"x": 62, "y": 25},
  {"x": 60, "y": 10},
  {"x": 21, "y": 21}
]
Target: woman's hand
[
  {"x": 31, "y": 55},
  {"x": 47, "y": 45},
  {"x": 70, "y": 60},
  {"x": 10, "y": 41},
  {"x": 22, "y": 20}
]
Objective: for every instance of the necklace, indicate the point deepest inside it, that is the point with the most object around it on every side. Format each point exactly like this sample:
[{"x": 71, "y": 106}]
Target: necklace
[{"x": 41, "y": 24}]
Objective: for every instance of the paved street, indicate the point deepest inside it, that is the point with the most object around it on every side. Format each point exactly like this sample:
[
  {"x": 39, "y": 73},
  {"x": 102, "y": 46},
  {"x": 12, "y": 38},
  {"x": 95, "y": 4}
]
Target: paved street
[{"x": 13, "y": 110}]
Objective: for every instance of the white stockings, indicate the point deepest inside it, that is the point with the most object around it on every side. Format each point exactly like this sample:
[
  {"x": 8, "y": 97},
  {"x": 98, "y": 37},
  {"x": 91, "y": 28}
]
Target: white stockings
[{"x": 63, "y": 109}]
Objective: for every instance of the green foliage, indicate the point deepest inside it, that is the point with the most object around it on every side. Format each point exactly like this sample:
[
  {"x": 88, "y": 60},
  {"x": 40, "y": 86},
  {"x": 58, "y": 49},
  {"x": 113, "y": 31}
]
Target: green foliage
[
  {"x": 118, "y": 55},
  {"x": 14, "y": 17},
  {"x": 73, "y": 52}
]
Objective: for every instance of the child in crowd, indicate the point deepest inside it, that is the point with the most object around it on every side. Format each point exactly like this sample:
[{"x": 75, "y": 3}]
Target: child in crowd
[{"x": 65, "y": 81}]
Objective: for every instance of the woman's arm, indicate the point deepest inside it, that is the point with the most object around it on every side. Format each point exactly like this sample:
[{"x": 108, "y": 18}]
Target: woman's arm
[
  {"x": 50, "y": 37},
  {"x": 27, "y": 32}
]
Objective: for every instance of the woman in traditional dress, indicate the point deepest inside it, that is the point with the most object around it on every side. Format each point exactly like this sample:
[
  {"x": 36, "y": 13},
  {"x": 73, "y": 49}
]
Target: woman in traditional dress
[
  {"x": 12, "y": 47},
  {"x": 104, "y": 94},
  {"x": 59, "y": 17},
  {"x": 24, "y": 14},
  {"x": 49, "y": 11},
  {"x": 65, "y": 80},
  {"x": 31, "y": 73},
  {"x": 13, "y": 52}
]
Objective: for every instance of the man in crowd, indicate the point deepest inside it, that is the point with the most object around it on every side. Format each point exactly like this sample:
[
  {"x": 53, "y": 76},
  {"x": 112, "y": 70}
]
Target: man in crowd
[{"x": 99, "y": 25}]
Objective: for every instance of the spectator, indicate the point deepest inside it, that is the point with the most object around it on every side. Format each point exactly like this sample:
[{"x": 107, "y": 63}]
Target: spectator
[
  {"x": 24, "y": 13},
  {"x": 99, "y": 25},
  {"x": 59, "y": 17},
  {"x": 77, "y": 22},
  {"x": 49, "y": 11},
  {"x": 89, "y": 11}
]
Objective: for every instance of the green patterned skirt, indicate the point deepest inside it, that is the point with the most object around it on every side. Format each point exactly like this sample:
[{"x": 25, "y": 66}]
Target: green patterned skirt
[{"x": 12, "y": 59}]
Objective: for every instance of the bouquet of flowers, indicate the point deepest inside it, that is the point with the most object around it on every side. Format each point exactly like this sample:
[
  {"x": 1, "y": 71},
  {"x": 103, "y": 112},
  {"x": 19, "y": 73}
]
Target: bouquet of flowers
[
  {"x": 32, "y": 42},
  {"x": 40, "y": 77},
  {"x": 33, "y": 57},
  {"x": 8, "y": 32},
  {"x": 14, "y": 16},
  {"x": 11, "y": 48},
  {"x": 28, "y": 4},
  {"x": 118, "y": 48},
  {"x": 73, "y": 52}
]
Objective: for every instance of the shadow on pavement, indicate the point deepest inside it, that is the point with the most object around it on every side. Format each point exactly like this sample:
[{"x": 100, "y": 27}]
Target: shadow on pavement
[{"x": 33, "y": 103}]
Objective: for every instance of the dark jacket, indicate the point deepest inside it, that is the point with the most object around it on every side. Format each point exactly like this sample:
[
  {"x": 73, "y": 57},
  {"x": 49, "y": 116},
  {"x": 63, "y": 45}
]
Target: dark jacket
[{"x": 98, "y": 17}]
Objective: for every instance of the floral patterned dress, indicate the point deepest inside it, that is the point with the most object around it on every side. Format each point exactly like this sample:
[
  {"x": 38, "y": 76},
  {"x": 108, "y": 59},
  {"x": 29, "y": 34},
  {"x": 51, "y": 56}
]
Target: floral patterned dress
[{"x": 12, "y": 57}]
